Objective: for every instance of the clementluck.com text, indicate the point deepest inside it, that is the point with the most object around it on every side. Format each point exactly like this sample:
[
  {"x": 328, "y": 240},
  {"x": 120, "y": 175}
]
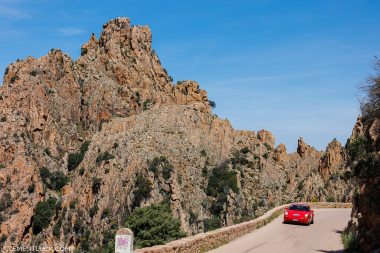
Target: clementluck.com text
[{"x": 35, "y": 249}]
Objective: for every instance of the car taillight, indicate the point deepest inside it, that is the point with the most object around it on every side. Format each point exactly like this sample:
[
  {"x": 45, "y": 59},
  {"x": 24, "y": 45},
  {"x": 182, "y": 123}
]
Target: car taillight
[{"x": 286, "y": 213}]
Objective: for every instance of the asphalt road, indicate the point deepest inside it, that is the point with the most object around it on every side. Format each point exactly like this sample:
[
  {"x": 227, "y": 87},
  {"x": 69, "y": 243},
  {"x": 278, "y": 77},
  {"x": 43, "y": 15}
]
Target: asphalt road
[{"x": 322, "y": 236}]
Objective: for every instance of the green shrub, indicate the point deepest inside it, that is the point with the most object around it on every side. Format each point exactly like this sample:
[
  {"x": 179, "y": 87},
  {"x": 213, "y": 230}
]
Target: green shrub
[
  {"x": 75, "y": 159},
  {"x": 96, "y": 184},
  {"x": 93, "y": 210},
  {"x": 73, "y": 204},
  {"x": 31, "y": 188},
  {"x": 147, "y": 104},
  {"x": 265, "y": 155},
  {"x": 167, "y": 171},
  {"x": 212, "y": 104},
  {"x": 363, "y": 161},
  {"x": 212, "y": 224},
  {"x": 34, "y": 72},
  {"x": 47, "y": 151},
  {"x": 2, "y": 166},
  {"x": 314, "y": 199},
  {"x": 192, "y": 217},
  {"x": 42, "y": 215},
  {"x": 205, "y": 171},
  {"x": 245, "y": 150},
  {"x": 84, "y": 147},
  {"x": 54, "y": 181},
  {"x": 154, "y": 225},
  {"x": 161, "y": 165},
  {"x": 203, "y": 153},
  {"x": 143, "y": 187},
  {"x": 58, "y": 180},
  {"x": 6, "y": 201},
  {"x": 239, "y": 157},
  {"x": 83, "y": 51},
  {"x": 330, "y": 199},
  {"x": 217, "y": 206},
  {"x": 106, "y": 213},
  {"x": 3, "y": 238},
  {"x": 79, "y": 226},
  {"x": 267, "y": 146},
  {"x": 57, "y": 228},
  {"x": 81, "y": 171},
  {"x": 44, "y": 174},
  {"x": 104, "y": 157},
  {"x": 108, "y": 236},
  {"x": 349, "y": 241},
  {"x": 13, "y": 79},
  {"x": 221, "y": 178}
]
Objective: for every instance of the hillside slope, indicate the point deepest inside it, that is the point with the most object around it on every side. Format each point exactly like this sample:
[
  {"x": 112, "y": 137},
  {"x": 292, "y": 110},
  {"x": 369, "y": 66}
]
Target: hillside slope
[{"x": 84, "y": 143}]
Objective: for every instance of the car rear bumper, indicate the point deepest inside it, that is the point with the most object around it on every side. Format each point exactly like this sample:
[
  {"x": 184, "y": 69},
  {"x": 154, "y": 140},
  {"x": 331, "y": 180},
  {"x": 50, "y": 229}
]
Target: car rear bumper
[{"x": 297, "y": 220}]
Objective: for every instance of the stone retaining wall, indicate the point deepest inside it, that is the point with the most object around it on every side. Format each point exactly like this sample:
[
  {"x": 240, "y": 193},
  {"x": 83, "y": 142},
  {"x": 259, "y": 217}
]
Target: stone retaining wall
[{"x": 206, "y": 241}]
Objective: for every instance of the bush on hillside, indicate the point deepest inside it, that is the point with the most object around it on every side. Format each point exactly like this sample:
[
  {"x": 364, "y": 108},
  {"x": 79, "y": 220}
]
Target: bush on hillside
[
  {"x": 154, "y": 225},
  {"x": 161, "y": 165},
  {"x": 350, "y": 243},
  {"x": 212, "y": 224},
  {"x": 96, "y": 184},
  {"x": 104, "y": 157},
  {"x": 53, "y": 180},
  {"x": 220, "y": 180},
  {"x": 75, "y": 159},
  {"x": 363, "y": 161},
  {"x": 42, "y": 215},
  {"x": 143, "y": 187},
  {"x": 6, "y": 201},
  {"x": 212, "y": 104}
]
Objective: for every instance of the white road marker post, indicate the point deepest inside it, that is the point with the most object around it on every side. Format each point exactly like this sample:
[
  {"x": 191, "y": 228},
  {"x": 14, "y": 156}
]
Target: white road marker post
[{"x": 124, "y": 241}]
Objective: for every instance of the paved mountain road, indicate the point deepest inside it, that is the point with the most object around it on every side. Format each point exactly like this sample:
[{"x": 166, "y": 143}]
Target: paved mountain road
[{"x": 322, "y": 236}]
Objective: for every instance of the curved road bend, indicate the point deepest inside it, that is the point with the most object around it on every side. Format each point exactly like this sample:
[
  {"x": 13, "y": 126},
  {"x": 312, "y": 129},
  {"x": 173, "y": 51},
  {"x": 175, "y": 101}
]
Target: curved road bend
[{"x": 322, "y": 236}]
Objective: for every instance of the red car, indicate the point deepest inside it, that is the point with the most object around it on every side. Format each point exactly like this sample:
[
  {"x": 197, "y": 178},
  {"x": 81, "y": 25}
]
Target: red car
[{"x": 299, "y": 213}]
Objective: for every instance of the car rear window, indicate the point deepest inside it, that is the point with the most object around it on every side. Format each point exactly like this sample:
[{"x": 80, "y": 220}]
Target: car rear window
[{"x": 299, "y": 208}]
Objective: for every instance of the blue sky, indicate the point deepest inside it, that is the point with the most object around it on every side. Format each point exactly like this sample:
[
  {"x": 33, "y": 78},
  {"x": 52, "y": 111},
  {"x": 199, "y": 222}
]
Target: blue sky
[{"x": 292, "y": 67}]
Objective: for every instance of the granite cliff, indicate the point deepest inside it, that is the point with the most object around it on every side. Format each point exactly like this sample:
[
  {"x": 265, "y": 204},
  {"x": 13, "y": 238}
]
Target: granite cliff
[
  {"x": 90, "y": 140},
  {"x": 364, "y": 149}
]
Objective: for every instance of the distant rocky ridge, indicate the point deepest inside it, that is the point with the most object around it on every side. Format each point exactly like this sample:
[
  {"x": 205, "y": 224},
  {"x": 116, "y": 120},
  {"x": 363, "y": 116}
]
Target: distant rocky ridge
[{"x": 110, "y": 132}]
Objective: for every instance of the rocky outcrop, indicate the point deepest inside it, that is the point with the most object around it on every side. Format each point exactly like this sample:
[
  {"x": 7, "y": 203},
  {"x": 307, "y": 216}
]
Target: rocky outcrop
[
  {"x": 332, "y": 160},
  {"x": 305, "y": 150},
  {"x": 280, "y": 154},
  {"x": 365, "y": 217},
  {"x": 266, "y": 137},
  {"x": 110, "y": 132}
]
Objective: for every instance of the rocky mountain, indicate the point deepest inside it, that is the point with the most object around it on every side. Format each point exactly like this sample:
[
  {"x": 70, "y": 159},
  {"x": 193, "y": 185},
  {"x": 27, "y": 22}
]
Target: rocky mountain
[{"x": 85, "y": 142}]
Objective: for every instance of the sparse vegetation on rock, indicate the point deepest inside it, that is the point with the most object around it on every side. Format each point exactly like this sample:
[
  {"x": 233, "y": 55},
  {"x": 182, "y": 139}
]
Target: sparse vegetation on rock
[
  {"x": 104, "y": 157},
  {"x": 75, "y": 159},
  {"x": 53, "y": 180},
  {"x": 43, "y": 214},
  {"x": 143, "y": 187}
]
